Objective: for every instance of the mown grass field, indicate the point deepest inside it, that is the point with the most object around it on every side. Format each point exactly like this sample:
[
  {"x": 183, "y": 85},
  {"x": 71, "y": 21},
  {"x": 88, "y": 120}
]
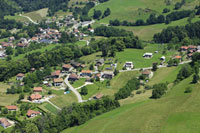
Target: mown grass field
[
  {"x": 79, "y": 83},
  {"x": 64, "y": 100},
  {"x": 48, "y": 108},
  {"x": 37, "y": 15},
  {"x": 136, "y": 56},
  {"x": 175, "y": 112},
  {"x": 131, "y": 10}
]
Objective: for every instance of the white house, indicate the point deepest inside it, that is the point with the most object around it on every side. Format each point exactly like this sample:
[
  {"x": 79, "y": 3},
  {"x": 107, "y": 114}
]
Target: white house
[
  {"x": 148, "y": 55},
  {"x": 128, "y": 65}
]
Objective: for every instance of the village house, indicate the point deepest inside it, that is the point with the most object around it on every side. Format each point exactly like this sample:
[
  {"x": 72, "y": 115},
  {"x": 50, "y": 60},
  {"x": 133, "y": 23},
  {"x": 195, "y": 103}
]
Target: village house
[
  {"x": 86, "y": 73},
  {"x": 147, "y": 73},
  {"x": 10, "y": 39},
  {"x": 58, "y": 81},
  {"x": 99, "y": 62},
  {"x": 129, "y": 65},
  {"x": 11, "y": 107},
  {"x": 75, "y": 64},
  {"x": 66, "y": 67},
  {"x": 55, "y": 74},
  {"x": 98, "y": 96},
  {"x": 5, "y": 123},
  {"x": 162, "y": 58},
  {"x": 35, "y": 97},
  {"x": 6, "y": 44},
  {"x": 148, "y": 55},
  {"x": 178, "y": 57},
  {"x": 73, "y": 77},
  {"x": 37, "y": 89},
  {"x": 108, "y": 74},
  {"x": 22, "y": 45},
  {"x": 192, "y": 47},
  {"x": 32, "y": 113},
  {"x": 20, "y": 76},
  {"x": 184, "y": 48}
]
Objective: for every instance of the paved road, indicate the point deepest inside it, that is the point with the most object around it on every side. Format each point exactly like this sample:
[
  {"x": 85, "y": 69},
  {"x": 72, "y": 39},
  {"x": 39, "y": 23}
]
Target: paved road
[
  {"x": 29, "y": 19},
  {"x": 160, "y": 66},
  {"x": 80, "y": 100}
]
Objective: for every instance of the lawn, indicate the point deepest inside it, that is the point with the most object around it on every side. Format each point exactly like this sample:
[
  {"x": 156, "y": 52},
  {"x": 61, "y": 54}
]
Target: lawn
[
  {"x": 37, "y": 15},
  {"x": 8, "y": 99},
  {"x": 17, "y": 18},
  {"x": 116, "y": 83},
  {"x": 48, "y": 108},
  {"x": 175, "y": 112},
  {"x": 79, "y": 83},
  {"x": 136, "y": 56},
  {"x": 64, "y": 100},
  {"x": 164, "y": 75}
]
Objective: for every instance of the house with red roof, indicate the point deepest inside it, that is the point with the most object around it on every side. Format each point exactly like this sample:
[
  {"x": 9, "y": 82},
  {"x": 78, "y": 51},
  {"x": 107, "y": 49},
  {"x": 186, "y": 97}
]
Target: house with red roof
[
  {"x": 86, "y": 73},
  {"x": 32, "y": 113},
  {"x": 20, "y": 76},
  {"x": 35, "y": 97},
  {"x": 56, "y": 74},
  {"x": 37, "y": 89},
  {"x": 11, "y": 107}
]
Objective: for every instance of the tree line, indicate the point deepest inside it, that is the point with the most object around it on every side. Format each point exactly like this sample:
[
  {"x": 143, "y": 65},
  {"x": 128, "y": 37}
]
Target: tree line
[
  {"x": 71, "y": 116},
  {"x": 177, "y": 34},
  {"x": 154, "y": 19}
]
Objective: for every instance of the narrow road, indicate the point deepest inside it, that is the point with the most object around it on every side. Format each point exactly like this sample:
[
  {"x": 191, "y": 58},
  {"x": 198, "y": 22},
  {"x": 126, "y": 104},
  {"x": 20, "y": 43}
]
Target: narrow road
[
  {"x": 80, "y": 100},
  {"x": 160, "y": 66},
  {"x": 53, "y": 105},
  {"x": 28, "y": 19}
]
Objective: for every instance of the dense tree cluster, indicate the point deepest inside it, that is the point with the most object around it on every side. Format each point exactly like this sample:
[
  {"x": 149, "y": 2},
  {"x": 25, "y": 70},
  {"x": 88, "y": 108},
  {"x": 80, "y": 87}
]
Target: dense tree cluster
[
  {"x": 178, "y": 5},
  {"x": 111, "y": 32},
  {"x": 178, "y": 33},
  {"x": 52, "y": 5},
  {"x": 159, "y": 90},
  {"x": 83, "y": 12},
  {"x": 154, "y": 19},
  {"x": 124, "y": 92},
  {"x": 6, "y": 9},
  {"x": 10, "y": 24},
  {"x": 74, "y": 115},
  {"x": 184, "y": 73}
]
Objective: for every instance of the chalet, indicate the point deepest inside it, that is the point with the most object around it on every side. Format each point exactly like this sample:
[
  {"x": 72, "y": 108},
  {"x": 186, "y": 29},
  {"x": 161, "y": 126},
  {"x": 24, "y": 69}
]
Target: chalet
[
  {"x": 20, "y": 76},
  {"x": 12, "y": 38},
  {"x": 189, "y": 55},
  {"x": 86, "y": 73},
  {"x": 32, "y": 69},
  {"x": 55, "y": 74},
  {"x": 184, "y": 48},
  {"x": 34, "y": 39},
  {"x": 83, "y": 65},
  {"x": 11, "y": 107},
  {"x": 58, "y": 81},
  {"x": 37, "y": 89},
  {"x": 73, "y": 77},
  {"x": 75, "y": 64},
  {"x": 35, "y": 97},
  {"x": 148, "y": 55},
  {"x": 162, "y": 58},
  {"x": 178, "y": 57},
  {"x": 32, "y": 113},
  {"x": 66, "y": 67},
  {"x": 6, "y": 44},
  {"x": 128, "y": 65},
  {"x": 5, "y": 123},
  {"x": 108, "y": 74},
  {"x": 98, "y": 96},
  {"x": 99, "y": 62},
  {"x": 192, "y": 47},
  {"x": 147, "y": 73}
]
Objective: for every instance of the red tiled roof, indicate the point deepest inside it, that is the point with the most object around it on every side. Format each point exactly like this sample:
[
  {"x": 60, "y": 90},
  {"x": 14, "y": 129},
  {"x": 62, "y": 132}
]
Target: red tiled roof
[
  {"x": 184, "y": 47},
  {"x": 20, "y": 75},
  {"x": 73, "y": 76},
  {"x": 146, "y": 72},
  {"x": 56, "y": 73},
  {"x": 98, "y": 96},
  {"x": 31, "y": 112},
  {"x": 5, "y": 122},
  {"x": 192, "y": 46},
  {"x": 86, "y": 71},
  {"x": 35, "y": 96},
  {"x": 11, "y": 107},
  {"x": 178, "y": 57},
  {"x": 37, "y": 89},
  {"x": 67, "y": 66},
  {"x": 58, "y": 80}
]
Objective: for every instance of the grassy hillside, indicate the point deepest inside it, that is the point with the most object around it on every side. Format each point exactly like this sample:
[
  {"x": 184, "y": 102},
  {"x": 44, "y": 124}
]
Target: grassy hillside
[
  {"x": 132, "y": 10},
  {"x": 175, "y": 112}
]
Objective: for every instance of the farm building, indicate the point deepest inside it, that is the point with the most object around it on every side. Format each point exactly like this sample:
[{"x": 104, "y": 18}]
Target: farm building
[
  {"x": 37, "y": 89},
  {"x": 5, "y": 123},
  {"x": 129, "y": 65},
  {"x": 32, "y": 113},
  {"x": 58, "y": 81},
  {"x": 147, "y": 73},
  {"x": 20, "y": 76},
  {"x": 35, "y": 97},
  {"x": 11, "y": 107},
  {"x": 86, "y": 73},
  {"x": 148, "y": 55},
  {"x": 108, "y": 74},
  {"x": 73, "y": 77}
]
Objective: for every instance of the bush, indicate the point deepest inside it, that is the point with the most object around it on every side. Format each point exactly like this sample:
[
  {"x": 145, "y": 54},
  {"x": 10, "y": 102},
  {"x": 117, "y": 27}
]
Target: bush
[
  {"x": 138, "y": 92},
  {"x": 188, "y": 90},
  {"x": 159, "y": 90}
]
